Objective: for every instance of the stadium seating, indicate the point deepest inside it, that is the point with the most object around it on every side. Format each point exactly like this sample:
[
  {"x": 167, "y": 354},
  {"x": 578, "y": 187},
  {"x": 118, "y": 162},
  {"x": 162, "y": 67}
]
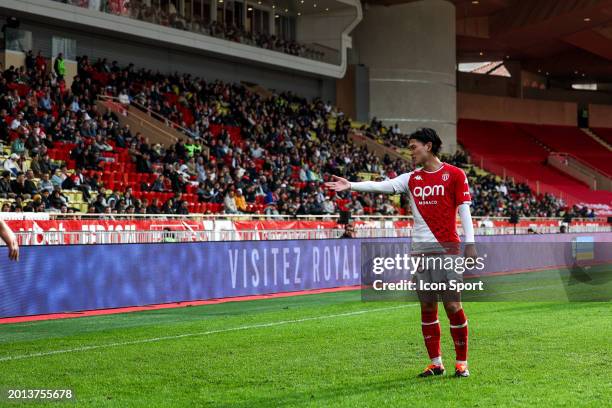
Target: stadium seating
[
  {"x": 513, "y": 150},
  {"x": 116, "y": 169},
  {"x": 566, "y": 139},
  {"x": 291, "y": 160}
]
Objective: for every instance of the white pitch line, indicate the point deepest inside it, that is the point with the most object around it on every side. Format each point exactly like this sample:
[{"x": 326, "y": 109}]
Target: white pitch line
[{"x": 205, "y": 333}]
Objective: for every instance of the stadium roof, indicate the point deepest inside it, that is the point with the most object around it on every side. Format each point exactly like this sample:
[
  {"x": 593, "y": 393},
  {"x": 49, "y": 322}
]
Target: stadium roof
[{"x": 570, "y": 39}]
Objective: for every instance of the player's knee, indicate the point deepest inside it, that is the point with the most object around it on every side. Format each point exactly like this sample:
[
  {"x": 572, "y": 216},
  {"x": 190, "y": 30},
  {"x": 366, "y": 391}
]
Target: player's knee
[
  {"x": 452, "y": 308},
  {"x": 429, "y": 306}
]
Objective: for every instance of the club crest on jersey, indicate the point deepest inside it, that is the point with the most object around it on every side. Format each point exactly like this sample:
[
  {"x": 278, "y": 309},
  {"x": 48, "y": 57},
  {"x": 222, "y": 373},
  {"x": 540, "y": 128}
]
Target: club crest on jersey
[{"x": 445, "y": 176}]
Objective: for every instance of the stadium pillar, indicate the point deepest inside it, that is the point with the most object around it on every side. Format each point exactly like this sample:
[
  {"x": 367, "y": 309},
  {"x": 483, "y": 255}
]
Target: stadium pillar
[
  {"x": 245, "y": 10},
  {"x": 410, "y": 52},
  {"x": 272, "y": 22},
  {"x": 213, "y": 11}
]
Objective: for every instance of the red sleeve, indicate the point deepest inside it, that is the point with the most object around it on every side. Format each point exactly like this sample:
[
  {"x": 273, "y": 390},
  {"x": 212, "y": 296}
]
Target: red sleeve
[{"x": 462, "y": 189}]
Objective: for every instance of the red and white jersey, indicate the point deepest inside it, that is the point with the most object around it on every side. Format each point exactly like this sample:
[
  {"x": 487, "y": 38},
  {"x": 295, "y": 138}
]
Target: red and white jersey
[{"x": 434, "y": 198}]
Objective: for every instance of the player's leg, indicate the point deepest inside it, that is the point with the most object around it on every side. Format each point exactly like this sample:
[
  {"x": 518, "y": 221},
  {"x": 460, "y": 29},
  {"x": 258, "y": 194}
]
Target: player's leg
[
  {"x": 430, "y": 326},
  {"x": 459, "y": 332}
]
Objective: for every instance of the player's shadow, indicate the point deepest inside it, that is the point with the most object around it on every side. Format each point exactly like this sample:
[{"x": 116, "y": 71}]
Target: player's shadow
[
  {"x": 579, "y": 275},
  {"x": 583, "y": 282}
]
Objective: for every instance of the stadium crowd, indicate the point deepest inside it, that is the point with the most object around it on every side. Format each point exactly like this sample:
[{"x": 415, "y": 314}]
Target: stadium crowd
[
  {"x": 282, "y": 150},
  {"x": 171, "y": 17}
]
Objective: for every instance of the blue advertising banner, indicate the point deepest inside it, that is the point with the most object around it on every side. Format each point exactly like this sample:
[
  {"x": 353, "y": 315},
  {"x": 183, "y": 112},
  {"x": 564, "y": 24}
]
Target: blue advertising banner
[{"x": 55, "y": 279}]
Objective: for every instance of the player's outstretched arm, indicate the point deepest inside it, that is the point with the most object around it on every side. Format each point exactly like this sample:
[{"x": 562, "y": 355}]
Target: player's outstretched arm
[
  {"x": 393, "y": 186},
  {"x": 10, "y": 239}
]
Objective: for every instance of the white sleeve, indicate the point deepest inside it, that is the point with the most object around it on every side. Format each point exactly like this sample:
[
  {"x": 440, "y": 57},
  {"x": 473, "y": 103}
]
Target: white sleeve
[
  {"x": 396, "y": 185},
  {"x": 466, "y": 222}
]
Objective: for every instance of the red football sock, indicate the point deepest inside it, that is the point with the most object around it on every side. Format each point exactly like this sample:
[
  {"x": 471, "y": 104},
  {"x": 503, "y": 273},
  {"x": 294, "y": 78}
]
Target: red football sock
[
  {"x": 459, "y": 332},
  {"x": 431, "y": 332}
]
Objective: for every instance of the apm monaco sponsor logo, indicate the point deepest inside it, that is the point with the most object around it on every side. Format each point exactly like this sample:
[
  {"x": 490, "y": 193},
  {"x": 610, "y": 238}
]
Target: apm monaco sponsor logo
[
  {"x": 445, "y": 177},
  {"x": 428, "y": 191}
]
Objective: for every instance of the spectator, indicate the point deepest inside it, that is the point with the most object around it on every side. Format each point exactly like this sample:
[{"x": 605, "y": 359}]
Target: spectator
[
  {"x": 159, "y": 184},
  {"x": 30, "y": 184},
  {"x": 349, "y": 231},
  {"x": 81, "y": 183},
  {"x": 154, "y": 207},
  {"x": 41, "y": 62},
  {"x": 16, "y": 122},
  {"x": 19, "y": 187},
  {"x": 5, "y": 185},
  {"x": 256, "y": 151},
  {"x": 183, "y": 208},
  {"x": 100, "y": 204},
  {"x": 45, "y": 103},
  {"x": 46, "y": 184},
  {"x": 56, "y": 201},
  {"x": 168, "y": 207},
  {"x": 282, "y": 148},
  {"x": 46, "y": 199},
  {"x": 18, "y": 146},
  {"x": 124, "y": 98},
  {"x": 229, "y": 203},
  {"x": 35, "y": 165},
  {"x": 58, "y": 178},
  {"x": 240, "y": 201},
  {"x": 59, "y": 66},
  {"x": 113, "y": 199},
  {"x": 10, "y": 165},
  {"x": 328, "y": 206},
  {"x": 271, "y": 209}
]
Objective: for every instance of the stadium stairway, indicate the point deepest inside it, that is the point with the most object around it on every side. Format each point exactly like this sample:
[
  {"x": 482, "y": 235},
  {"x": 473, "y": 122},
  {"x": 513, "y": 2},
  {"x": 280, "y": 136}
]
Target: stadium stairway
[
  {"x": 380, "y": 150},
  {"x": 602, "y": 135},
  {"x": 258, "y": 89},
  {"x": 156, "y": 131},
  {"x": 567, "y": 139}
]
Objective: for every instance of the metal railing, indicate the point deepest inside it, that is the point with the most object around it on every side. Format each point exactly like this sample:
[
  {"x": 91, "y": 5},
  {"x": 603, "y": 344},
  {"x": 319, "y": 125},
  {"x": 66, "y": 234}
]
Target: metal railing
[
  {"x": 595, "y": 178},
  {"x": 534, "y": 182},
  {"x": 162, "y": 122},
  {"x": 279, "y": 217},
  {"x": 173, "y": 236},
  {"x": 478, "y": 220},
  {"x": 166, "y": 236},
  {"x": 147, "y": 118}
]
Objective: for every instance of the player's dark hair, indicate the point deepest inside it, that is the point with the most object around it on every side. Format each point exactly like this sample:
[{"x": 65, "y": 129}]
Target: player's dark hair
[{"x": 426, "y": 135}]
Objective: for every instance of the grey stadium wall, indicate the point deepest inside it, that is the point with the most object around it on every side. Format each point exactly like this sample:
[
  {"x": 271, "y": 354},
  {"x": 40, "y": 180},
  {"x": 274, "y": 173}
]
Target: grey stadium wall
[{"x": 170, "y": 60}]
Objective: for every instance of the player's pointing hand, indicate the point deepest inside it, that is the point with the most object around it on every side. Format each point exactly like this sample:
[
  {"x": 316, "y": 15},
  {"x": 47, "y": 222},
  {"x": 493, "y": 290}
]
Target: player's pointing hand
[
  {"x": 338, "y": 184},
  {"x": 13, "y": 248},
  {"x": 10, "y": 239}
]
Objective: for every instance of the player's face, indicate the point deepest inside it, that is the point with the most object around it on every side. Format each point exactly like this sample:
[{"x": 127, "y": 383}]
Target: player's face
[{"x": 420, "y": 152}]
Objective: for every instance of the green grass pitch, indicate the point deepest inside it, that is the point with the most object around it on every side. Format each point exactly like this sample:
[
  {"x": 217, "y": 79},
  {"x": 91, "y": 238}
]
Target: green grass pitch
[{"x": 314, "y": 350}]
